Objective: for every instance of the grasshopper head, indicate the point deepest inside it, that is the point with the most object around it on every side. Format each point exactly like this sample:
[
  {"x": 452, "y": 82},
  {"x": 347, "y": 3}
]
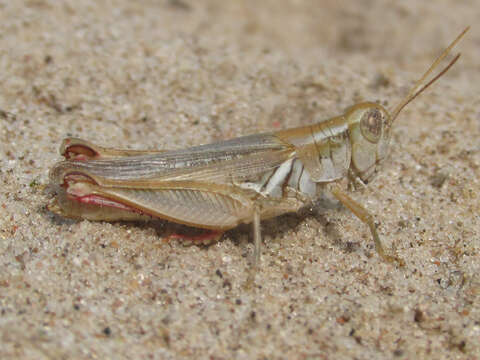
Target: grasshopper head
[{"x": 369, "y": 126}]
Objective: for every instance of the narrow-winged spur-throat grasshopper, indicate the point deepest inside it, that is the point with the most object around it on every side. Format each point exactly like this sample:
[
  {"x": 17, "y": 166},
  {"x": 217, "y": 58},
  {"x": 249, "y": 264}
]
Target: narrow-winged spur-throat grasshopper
[{"x": 244, "y": 180}]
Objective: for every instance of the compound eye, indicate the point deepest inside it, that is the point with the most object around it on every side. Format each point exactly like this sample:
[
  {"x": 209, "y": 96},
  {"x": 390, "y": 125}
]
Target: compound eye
[{"x": 371, "y": 125}]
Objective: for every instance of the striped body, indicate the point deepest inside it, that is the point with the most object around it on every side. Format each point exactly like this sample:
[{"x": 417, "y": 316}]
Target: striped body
[{"x": 212, "y": 186}]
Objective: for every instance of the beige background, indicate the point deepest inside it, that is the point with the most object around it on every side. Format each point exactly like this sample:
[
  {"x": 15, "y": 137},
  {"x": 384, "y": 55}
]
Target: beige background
[{"x": 171, "y": 74}]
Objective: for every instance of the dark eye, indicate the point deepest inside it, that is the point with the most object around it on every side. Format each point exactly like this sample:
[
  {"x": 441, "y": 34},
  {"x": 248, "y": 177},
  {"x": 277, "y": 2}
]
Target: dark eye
[{"x": 371, "y": 125}]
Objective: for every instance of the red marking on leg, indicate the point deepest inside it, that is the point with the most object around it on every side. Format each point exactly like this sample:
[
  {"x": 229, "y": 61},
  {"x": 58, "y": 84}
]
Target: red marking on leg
[
  {"x": 103, "y": 202},
  {"x": 80, "y": 153},
  {"x": 208, "y": 237}
]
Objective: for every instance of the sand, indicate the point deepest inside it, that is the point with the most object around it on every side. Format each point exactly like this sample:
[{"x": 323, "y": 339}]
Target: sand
[{"x": 172, "y": 74}]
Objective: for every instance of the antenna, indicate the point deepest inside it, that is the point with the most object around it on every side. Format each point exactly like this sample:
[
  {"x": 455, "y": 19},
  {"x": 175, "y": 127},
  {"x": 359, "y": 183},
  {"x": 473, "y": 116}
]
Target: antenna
[{"x": 418, "y": 88}]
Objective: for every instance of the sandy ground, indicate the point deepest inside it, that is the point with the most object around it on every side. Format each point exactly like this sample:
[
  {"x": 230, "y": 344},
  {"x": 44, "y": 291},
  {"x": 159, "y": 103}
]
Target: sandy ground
[{"x": 171, "y": 74}]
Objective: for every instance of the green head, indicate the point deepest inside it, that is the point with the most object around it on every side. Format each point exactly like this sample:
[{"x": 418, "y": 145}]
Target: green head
[{"x": 370, "y": 124}]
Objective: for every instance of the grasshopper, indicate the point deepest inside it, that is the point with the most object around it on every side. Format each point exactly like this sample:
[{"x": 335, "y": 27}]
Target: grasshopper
[{"x": 243, "y": 180}]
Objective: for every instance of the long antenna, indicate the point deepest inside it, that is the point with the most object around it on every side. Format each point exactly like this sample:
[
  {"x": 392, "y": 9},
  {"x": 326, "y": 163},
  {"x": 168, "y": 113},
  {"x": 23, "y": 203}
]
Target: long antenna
[{"x": 419, "y": 87}]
